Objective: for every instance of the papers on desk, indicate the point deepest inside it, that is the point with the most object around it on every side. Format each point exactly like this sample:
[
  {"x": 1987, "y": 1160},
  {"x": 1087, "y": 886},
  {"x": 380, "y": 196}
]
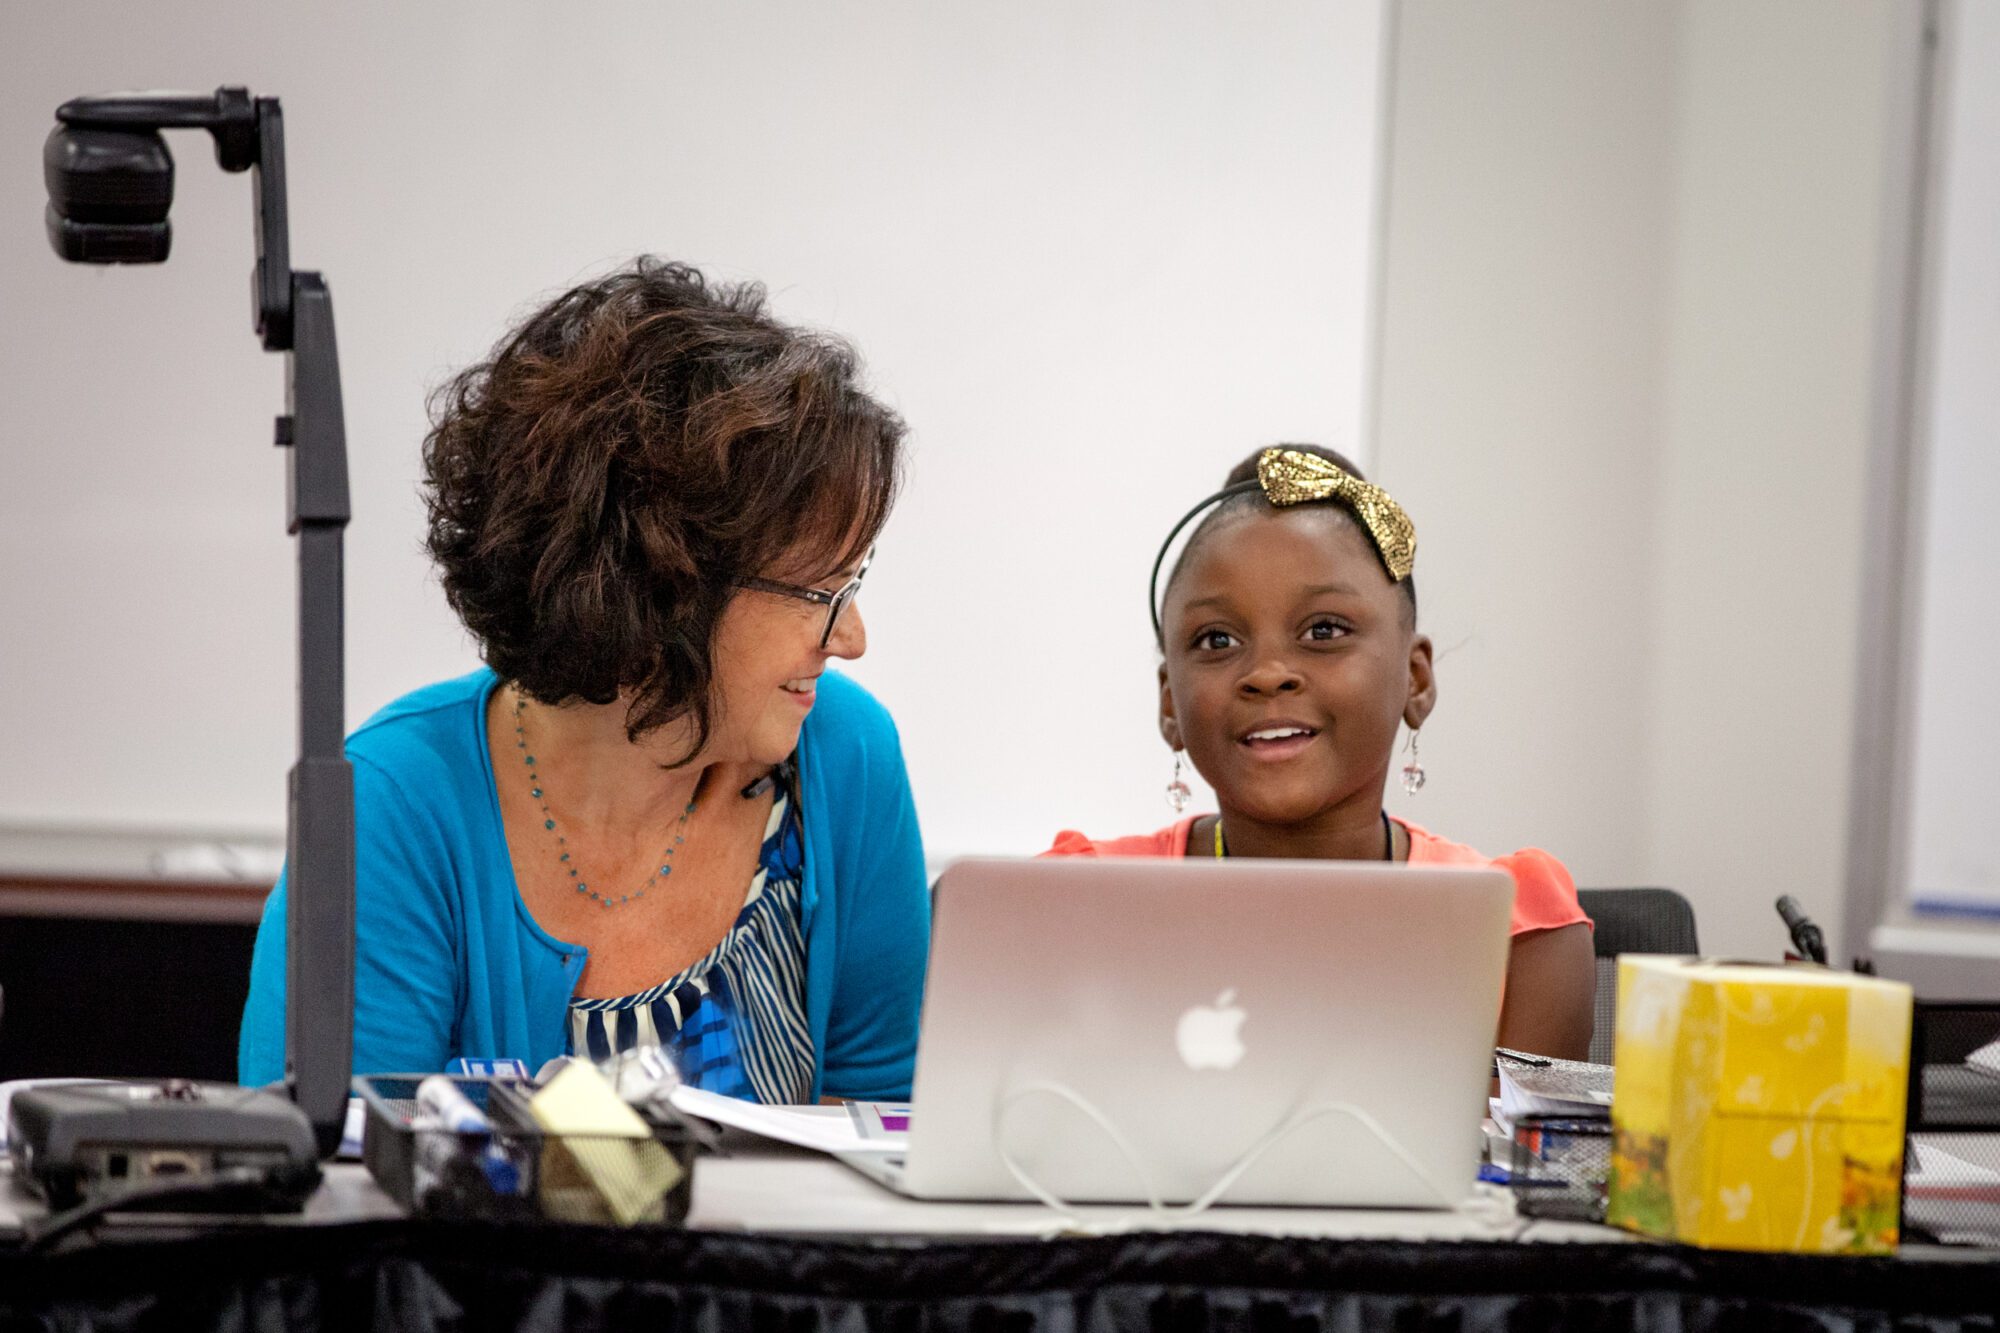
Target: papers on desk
[
  {"x": 830, "y": 1129},
  {"x": 1986, "y": 1059},
  {"x": 1551, "y": 1087},
  {"x": 1937, "y": 1174},
  {"x": 883, "y": 1124},
  {"x": 1950, "y": 1197}
]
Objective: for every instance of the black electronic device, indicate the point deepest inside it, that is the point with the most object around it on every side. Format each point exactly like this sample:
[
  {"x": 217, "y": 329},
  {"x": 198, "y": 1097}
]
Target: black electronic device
[
  {"x": 190, "y": 1147},
  {"x": 110, "y": 180}
]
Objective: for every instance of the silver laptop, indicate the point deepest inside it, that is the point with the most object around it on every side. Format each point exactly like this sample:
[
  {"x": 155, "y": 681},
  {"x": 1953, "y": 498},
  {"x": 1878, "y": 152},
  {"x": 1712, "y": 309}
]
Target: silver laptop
[{"x": 1258, "y": 1032}]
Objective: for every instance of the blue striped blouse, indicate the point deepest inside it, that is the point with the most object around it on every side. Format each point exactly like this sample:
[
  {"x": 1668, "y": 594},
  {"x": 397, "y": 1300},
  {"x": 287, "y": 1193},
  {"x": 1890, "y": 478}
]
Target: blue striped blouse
[{"x": 734, "y": 1020}]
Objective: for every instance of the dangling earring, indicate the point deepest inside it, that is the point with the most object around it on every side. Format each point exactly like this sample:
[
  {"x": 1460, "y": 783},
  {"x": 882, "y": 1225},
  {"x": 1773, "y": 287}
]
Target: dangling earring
[
  {"x": 1178, "y": 792},
  {"x": 1413, "y": 771}
]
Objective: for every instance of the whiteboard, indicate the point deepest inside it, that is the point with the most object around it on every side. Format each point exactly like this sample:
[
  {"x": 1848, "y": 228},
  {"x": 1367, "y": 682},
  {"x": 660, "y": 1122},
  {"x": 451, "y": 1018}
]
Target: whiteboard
[
  {"x": 1952, "y": 855},
  {"x": 1094, "y": 253}
]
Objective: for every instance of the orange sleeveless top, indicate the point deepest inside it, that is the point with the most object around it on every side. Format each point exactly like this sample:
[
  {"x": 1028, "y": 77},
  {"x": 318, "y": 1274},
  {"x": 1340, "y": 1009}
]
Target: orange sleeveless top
[{"x": 1544, "y": 894}]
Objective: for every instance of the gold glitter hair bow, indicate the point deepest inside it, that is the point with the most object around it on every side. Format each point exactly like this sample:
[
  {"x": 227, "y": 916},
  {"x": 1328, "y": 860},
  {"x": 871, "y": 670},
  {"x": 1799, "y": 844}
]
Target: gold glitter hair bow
[{"x": 1290, "y": 477}]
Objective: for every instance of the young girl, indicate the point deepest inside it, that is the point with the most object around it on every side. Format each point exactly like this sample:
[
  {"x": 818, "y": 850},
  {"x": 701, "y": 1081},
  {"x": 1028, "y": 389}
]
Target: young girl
[{"x": 1289, "y": 632}]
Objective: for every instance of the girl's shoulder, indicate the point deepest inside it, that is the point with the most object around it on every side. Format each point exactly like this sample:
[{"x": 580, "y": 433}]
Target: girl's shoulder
[
  {"x": 1544, "y": 893},
  {"x": 1170, "y": 841}
]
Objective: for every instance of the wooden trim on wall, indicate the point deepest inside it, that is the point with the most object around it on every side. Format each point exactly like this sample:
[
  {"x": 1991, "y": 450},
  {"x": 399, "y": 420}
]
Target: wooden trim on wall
[{"x": 132, "y": 900}]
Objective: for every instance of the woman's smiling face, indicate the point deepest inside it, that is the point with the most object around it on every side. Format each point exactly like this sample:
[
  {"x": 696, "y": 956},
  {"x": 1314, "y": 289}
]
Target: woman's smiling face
[
  {"x": 768, "y": 660},
  {"x": 1290, "y": 658}
]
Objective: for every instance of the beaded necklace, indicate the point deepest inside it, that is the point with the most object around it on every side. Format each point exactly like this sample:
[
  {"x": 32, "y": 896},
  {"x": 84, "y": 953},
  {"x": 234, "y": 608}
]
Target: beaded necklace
[{"x": 563, "y": 860}]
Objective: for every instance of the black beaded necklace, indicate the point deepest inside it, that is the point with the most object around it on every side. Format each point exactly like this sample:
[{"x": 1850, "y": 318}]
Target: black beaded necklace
[{"x": 1388, "y": 840}]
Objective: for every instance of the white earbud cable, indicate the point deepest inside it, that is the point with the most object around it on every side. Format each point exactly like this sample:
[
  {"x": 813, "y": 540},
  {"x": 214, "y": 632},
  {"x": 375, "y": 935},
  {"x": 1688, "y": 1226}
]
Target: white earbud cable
[{"x": 1248, "y": 1158}]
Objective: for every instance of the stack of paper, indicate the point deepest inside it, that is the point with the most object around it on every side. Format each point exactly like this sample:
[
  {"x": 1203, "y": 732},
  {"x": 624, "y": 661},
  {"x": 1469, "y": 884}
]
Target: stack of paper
[
  {"x": 1540, "y": 1085},
  {"x": 1955, "y": 1200},
  {"x": 825, "y": 1129}
]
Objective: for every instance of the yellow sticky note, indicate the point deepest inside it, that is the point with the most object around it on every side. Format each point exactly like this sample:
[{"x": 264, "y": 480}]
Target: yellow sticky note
[
  {"x": 608, "y": 1142},
  {"x": 579, "y": 1100}
]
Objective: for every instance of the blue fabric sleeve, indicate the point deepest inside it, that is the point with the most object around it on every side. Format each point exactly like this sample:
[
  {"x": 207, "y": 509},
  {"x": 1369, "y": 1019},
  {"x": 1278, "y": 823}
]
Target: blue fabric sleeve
[
  {"x": 406, "y": 947},
  {"x": 260, "y": 1043},
  {"x": 884, "y": 915}
]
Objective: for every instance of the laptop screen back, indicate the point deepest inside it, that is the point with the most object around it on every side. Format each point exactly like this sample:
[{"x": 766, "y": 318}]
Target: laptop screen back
[{"x": 1119, "y": 1029}]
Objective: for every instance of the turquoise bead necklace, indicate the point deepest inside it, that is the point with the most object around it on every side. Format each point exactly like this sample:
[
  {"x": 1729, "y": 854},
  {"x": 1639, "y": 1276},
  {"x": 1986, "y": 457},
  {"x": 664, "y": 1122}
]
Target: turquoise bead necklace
[{"x": 563, "y": 859}]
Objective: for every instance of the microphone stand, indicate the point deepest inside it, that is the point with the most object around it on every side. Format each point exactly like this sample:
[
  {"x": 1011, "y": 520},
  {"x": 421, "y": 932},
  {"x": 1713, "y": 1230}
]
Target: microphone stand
[{"x": 294, "y": 315}]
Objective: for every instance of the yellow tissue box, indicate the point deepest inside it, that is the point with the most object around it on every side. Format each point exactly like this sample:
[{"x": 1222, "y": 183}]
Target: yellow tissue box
[{"x": 1759, "y": 1108}]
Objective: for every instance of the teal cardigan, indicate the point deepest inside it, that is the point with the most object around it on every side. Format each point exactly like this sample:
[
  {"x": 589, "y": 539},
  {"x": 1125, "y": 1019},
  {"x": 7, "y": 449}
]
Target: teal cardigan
[{"x": 448, "y": 961}]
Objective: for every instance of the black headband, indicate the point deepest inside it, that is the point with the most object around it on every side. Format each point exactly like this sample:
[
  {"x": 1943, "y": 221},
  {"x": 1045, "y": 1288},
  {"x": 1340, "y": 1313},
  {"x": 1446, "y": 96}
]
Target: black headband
[{"x": 1153, "y": 584}]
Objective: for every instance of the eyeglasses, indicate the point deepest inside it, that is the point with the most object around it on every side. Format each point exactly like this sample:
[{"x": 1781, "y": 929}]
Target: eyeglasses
[{"x": 835, "y": 602}]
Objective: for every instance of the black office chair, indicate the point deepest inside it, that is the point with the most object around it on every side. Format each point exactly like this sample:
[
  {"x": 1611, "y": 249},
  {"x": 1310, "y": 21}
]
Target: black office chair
[{"x": 1630, "y": 921}]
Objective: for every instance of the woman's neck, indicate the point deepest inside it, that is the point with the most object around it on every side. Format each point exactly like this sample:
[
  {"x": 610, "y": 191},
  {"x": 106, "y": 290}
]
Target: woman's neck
[
  {"x": 594, "y": 775},
  {"x": 1349, "y": 832}
]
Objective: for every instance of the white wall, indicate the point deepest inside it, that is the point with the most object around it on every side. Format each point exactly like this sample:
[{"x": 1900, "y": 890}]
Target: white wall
[
  {"x": 1630, "y": 311},
  {"x": 1094, "y": 253},
  {"x": 1527, "y": 227},
  {"x": 1772, "y": 323}
]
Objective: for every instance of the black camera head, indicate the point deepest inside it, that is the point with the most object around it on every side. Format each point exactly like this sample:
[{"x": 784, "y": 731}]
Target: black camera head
[
  {"x": 109, "y": 192},
  {"x": 110, "y": 175}
]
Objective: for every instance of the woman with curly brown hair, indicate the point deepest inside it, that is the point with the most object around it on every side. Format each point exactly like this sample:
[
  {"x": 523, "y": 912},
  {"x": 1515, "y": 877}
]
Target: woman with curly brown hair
[{"x": 654, "y": 817}]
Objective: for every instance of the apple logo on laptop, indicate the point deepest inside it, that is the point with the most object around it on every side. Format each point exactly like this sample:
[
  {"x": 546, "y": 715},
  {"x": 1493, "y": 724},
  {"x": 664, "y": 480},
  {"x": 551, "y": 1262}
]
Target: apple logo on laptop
[{"x": 1210, "y": 1036}]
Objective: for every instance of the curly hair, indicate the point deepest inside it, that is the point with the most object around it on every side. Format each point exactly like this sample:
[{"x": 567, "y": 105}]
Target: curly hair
[
  {"x": 598, "y": 485},
  {"x": 1246, "y": 471}
]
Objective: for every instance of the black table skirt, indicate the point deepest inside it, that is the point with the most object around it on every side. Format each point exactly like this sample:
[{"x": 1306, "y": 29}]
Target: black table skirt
[{"x": 427, "y": 1277}]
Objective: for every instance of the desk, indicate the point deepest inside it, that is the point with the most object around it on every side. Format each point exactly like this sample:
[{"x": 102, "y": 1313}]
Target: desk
[{"x": 780, "y": 1240}]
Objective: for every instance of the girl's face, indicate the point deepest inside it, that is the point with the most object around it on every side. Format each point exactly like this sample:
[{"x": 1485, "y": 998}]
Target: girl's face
[{"x": 1290, "y": 658}]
